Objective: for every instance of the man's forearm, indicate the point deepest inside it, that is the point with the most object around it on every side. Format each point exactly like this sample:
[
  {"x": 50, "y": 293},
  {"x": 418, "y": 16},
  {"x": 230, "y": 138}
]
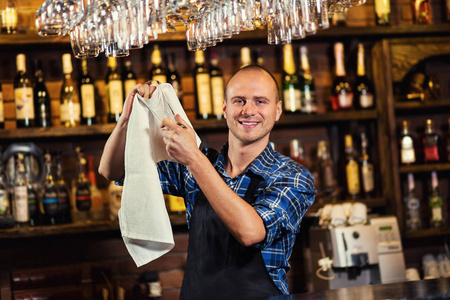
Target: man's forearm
[{"x": 112, "y": 162}]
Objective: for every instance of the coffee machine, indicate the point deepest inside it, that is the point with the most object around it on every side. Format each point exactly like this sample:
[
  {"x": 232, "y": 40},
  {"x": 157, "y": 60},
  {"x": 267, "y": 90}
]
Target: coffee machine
[{"x": 355, "y": 255}]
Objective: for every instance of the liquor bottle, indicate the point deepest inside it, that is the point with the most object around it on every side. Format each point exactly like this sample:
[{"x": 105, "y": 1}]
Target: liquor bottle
[
  {"x": 2, "y": 110},
  {"x": 83, "y": 198},
  {"x": 20, "y": 201},
  {"x": 364, "y": 87},
  {"x": 290, "y": 82},
  {"x": 246, "y": 57},
  {"x": 23, "y": 95},
  {"x": 431, "y": 143},
  {"x": 64, "y": 209},
  {"x": 382, "y": 12},
  {"x": 202, "y": 83},
  {"x": 413, "y": 221},
  {"x": 5, "y": 205},
  {"x": 173, "y": 77},
  {"x": 407, "y": 151},
  {"x": 9, "y": 17},
  {"x": 351, "y": 168},
  {"x": 436, "y": 203},
  {"x": 326, "y": 174},
  {"x": 307, "y": 87},
  {"x": 341, "y": 94},
  {"x": 420, "y": 11},
  {"x": 33, "y": 202},
  {"x": 157, "y": 72},
  {"x": 88, "y": 95},
  {"x": 296, "y": 151},
  {"x": 50, "y": 197},
  {"x": 96, "y": 211},
  {"x": 217, "y": 86},
  {"x": 114, "y": 91},
  {"x": 367, "y": 170},
  {"x": 43, "y": 107},
  {"x": 129, "y": 77},
  {"x": 69, "y": 102}
]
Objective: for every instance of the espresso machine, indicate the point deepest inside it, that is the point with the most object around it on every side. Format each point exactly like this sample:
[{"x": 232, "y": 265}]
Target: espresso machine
[{"x": 351, "y": 255}]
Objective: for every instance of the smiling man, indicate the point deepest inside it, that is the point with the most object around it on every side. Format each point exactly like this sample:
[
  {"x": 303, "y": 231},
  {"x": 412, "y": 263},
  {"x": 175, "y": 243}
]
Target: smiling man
[{"x": 244, "y": 204}]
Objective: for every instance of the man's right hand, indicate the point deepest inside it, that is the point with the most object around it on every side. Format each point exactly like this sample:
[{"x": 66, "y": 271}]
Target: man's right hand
[{"x": 144, "y": 90}]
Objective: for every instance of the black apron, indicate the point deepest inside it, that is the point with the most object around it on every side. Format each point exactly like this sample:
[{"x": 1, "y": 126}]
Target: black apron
[{"x": 218, "y": 266}]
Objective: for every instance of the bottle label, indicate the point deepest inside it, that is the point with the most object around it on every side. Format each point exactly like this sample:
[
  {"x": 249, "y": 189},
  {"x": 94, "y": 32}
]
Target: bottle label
[
  {"x": 292, "y": 99},
  {"x": 413, "y": 203},
  {"x": 309, "y": 104},
  {"x": 115, "y": 96},
  {"x": 21, "y": 209},
  {"x": 218, "y": 95},
  {"x": 88, "y": 100},
  {"x": 2, "y": 110},
  {"x": 4, "y": 202},
  {"x": 436, "y": 214},
  {"x": 353, "y": 178},
  {"x": 70, "y": 112},
  {"x": 129, "y": 84},
  {"x": 328, "y": 177},
  {"x": 366, "y": 100},
  {"x": 204, "y": 94},
  {"x": 368, "y": 177},
  {"x": 345, "y": 100},
  {"x": 160, "y": 78},
  {"x": 431, "y": 153},
  {"x": 382, "y": 7},
  {"x": 63, "y": 200},
  {"x": 24, "y": 103},
  {"x": 407, "y": 152},
  {"x": 176, "y": 204}
]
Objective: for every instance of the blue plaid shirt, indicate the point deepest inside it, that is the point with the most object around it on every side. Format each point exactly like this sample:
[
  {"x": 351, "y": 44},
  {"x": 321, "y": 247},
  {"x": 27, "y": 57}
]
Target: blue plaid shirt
[{"x": 281, "y": 202}]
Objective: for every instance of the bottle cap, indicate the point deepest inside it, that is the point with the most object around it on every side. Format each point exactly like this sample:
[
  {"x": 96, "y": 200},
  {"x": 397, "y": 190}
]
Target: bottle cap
[
  {"x": 67, "y": 63},
  {"x": 199, "y": 57},
  {"x": 245, "y": 57},
  {"x": 156, "y": 56},
  {"x": 20, "y": 62}
]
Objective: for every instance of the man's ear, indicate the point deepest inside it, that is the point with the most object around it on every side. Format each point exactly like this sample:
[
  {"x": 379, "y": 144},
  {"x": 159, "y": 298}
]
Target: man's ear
[
  {"x": 224, "y": 107},
  {"x": 279, "y": 110}
]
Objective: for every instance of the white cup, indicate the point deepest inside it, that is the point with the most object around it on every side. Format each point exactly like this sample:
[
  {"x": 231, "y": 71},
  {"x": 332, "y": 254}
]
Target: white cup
[
  {"x": 358, "y": 213},
  {"x": 412, "y": 274},
  {"x": 338, "y": 217}
]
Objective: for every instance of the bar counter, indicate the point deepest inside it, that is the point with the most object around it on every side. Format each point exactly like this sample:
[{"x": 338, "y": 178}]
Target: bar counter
[{"x": 423, "y": 289}]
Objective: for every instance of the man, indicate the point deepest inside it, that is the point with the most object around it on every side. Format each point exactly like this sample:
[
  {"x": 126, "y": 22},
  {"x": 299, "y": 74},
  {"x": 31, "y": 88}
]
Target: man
[{"x": 244, "y": 204}]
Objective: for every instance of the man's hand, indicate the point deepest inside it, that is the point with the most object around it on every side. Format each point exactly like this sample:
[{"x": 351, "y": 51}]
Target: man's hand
[{"x": 144, "y": 90}]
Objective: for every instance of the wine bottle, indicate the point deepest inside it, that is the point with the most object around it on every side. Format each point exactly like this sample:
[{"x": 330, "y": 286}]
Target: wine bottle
[
  {"x": 364, "y": 87},
  {"x": 2, "y": 110},
  {"x": 246, "y": 57},
  {"x": 173, "y": 77},
  {"x": 20, "y": 201},
  {"x": 217, "y": 85},
  {"x": 157, "y": 72},
  {"x": 50, "y": 197},
  {"x": 9, "y": 17},
  {"x": 129, "y": 77},
  {"x": 96, "y": 211},
  {"x": 430, "y": 143},
  {"x": 23, "y": 95},
  {"x": 290, "y": 82},
  {"x": 342, "y": 94},
  {"x": 43, "y": 104},
  {"x": 436, "y": 203},
  {"x": 83, "y": 198},
  {"x": 420, "y": 11},
  {"x": 114, "y": 91},
  {"x": 382, "y": 12},
  {"x": 296, "y": 151},
  {"x": 33, "y": 202},
  {"x": 64, "y": 209},
  {"x": 407, "y": 151},
  {"x": 307, "y": 87},
  {"x": 202, "y": 83},
  {"x": 367, "y": 169},
  {"x": 413, "y": 220},
  {"x": 88, "y": 95},
  {"x": 326, "y": 174},
  {"x": 5, "y": 205},
  {"x": 69, "y": 102},
  {"x": 351, "y": 168}
]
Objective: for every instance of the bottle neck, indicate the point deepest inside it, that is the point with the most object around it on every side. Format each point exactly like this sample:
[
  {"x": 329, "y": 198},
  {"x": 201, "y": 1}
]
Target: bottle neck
[
  {"x": 340, "y": 69},
  {"x": 361, "y": 70}
]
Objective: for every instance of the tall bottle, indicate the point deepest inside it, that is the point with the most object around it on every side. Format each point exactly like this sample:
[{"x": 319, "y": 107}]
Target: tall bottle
[
  {"x": 69, "y": 102},
  {"x": 407, "y": 151},
  {"x": 157, "y": 72},
  {"x": 412, "y": 203},
  {"x": 202, "y": 83},
  {"x": 290, "y": 82},
  {"x": 129, "y": 77},
  {"x": 246, "y": 57},
  {"x": 64, "y": 209},
  {"x": 307, "y": 87},
  {"x": 5, "y": 205},
  {"x": 342, "y": 93},
  {"x": 420, "y": 11},
  {"x": 43, "y": 107},
  {"x": 33, "y": 202},
  {"x": 217, "y": 85},
  {"x": 430, "y": 143},
  {"x": 114, "y": 91},
  {"x": 173, "y": 77},
  {"x": 436, "y": 203},
  {"x": 83, "y": 198},
  {"x": 367, "y": 169},
  {"x": 9, "y": 17},
  {"x": 382, "y": 12},
  {"x": 88, "y": 96},
  {"x": 296, "y": 151},
  {"x": 20, "y": 201},
  {"x": 326, "y": 174},
  {"x": 50, "y": 197},
  {"x": 364, "y": 87},
  {"x": 96, "y": 211},
  {"x": 2, "y": 110},
  {"x": 23, "y": 95},
  {"x": 351, "y": 168}
]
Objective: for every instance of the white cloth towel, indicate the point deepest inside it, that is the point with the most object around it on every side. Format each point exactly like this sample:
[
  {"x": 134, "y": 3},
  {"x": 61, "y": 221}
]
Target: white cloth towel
[{"x": 143, "y": 218}]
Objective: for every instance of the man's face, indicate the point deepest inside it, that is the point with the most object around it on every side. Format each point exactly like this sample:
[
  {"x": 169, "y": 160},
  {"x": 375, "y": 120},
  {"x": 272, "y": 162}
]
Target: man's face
[{"x": 251, "y": 108}]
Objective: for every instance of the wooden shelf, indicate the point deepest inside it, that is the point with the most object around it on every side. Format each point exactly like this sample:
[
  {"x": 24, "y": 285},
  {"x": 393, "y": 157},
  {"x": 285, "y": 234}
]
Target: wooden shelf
[
  {"x": 426, "y": 233},
  {"x": 424, "y": 107},
  {"x": 425, "y": 168}
]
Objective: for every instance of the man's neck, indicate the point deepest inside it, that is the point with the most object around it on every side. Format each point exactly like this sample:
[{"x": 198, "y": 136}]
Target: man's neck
[{"x": 240, "y": 156}]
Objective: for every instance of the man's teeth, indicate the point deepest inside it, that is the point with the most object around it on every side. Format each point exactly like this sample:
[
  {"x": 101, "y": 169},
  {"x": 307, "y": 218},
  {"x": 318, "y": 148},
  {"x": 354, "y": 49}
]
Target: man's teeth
[{"x": 248, "y": 123}]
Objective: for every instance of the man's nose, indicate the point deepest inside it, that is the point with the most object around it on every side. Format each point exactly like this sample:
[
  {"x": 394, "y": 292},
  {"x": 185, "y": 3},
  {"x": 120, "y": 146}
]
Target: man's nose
[{"x": 248, "y": 109}]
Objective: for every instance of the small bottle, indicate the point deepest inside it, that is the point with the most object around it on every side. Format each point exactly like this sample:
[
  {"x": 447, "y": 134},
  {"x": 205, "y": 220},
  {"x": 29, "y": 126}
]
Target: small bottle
[
  {"x": 50, "y": 197},
  {"x": 83, "y": 198},
  {"x": 367, "y": 169},
  {"x": 307, "y": 87},
  {"x": 430, "y": 143},
  {"x": 382, "y": 12},
  {"x": 157, "y": 72},
  {"x": 96, "y": 211},
  {"x": 292, "y": 102},
  {"x": 129, "y": 77},
  {"x": 436, "y": 203},
  {"x": 69, "y": 101},
  {"x": 33, "y": 202},
  {"x": 43, "y": 107},
  {"x": 217, "y": 85},
  {"x": 9, "y": 17},
  {"x": 364, "y": 87},
  {"x": 173, "y": 77},
  {"x": 327, "y": 176},
  {"x": 351, "y": 168},
  {"x": 23, "y": 95},
  {"x": 296, "y": 151},
  {"x": 20, "y": 200},
  {"x": 246, "y": 57},
  {"x": 88, "y": 95},
  {"x": 2, "y": 110},
  {"x": 413, "y": 221},
  {"x": 64, "y": 209},
  {"x": 202, "y": 83},
  {"x": 114, "y": 91},
  {"x": 420, "y": 11},
  {"x": 342, "y": 94},
  {"x": 407, "y": 151}
]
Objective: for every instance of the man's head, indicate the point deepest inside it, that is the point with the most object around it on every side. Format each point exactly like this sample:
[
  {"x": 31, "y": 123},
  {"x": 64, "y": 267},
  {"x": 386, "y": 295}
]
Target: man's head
[{"x": 252, "y": 105}]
